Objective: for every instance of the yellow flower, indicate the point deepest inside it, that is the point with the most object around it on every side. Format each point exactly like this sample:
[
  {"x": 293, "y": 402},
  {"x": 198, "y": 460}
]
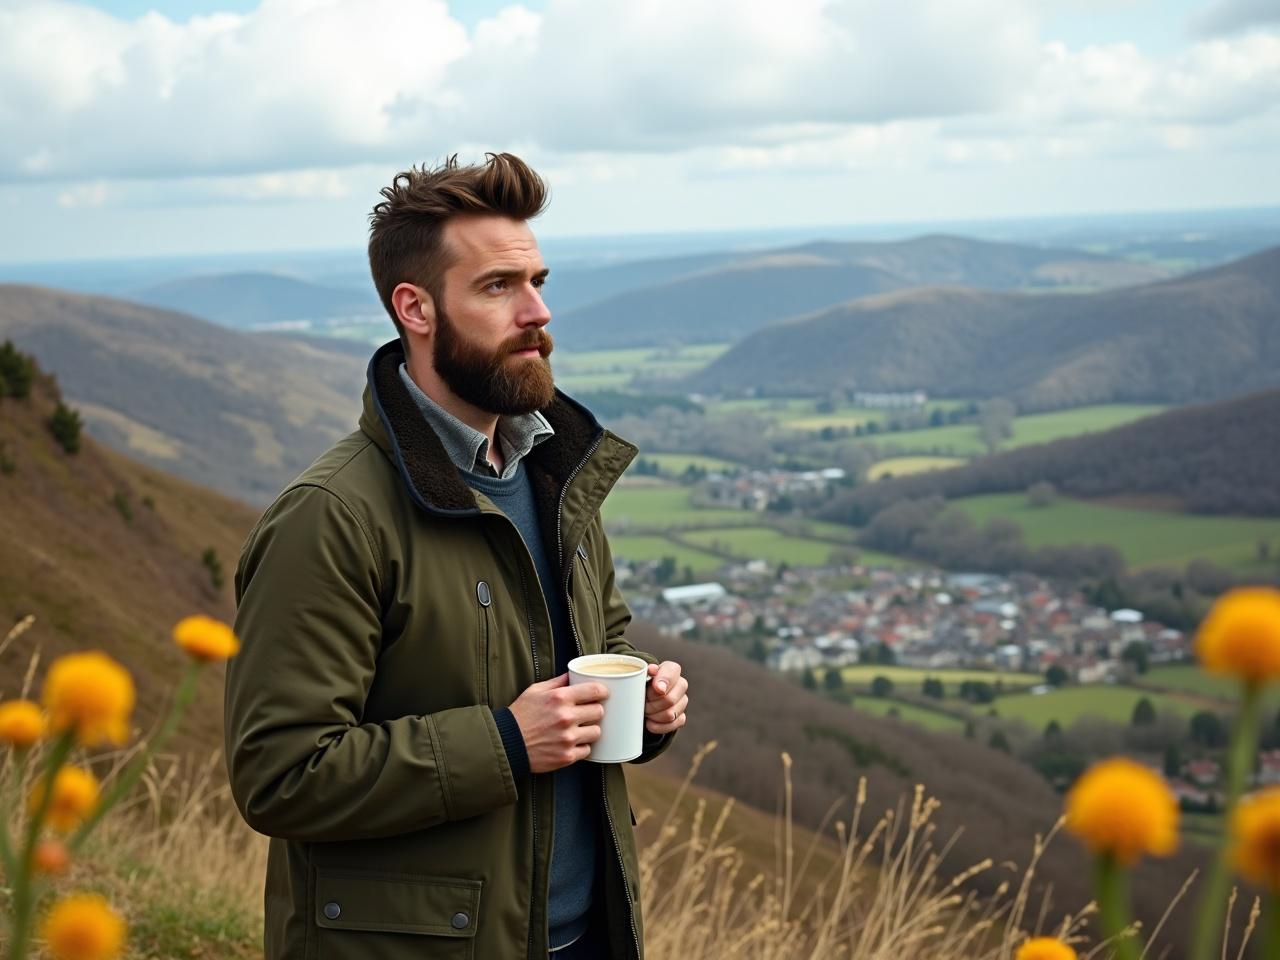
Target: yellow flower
[
  {"x": 75, "y": 795},
  {"x": 1241, "y": 635},
  {"x": 91, "y": 694},
  {"x": 83, "y": 927},
  {"x": 1121, "y": 808},
  {"x": 21, "y": 723},
  {"x": 1045, "y": 948},
  {"x": 206, "y": 638},
  {"x": 1255, "y": 838}
]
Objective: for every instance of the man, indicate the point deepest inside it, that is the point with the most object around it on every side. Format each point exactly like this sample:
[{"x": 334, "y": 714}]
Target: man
[{"x": 399, "y": 719}]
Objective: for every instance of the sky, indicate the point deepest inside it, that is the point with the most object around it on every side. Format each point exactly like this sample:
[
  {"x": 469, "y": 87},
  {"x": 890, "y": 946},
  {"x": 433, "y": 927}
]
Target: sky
[{"x": 135, "y": 128}]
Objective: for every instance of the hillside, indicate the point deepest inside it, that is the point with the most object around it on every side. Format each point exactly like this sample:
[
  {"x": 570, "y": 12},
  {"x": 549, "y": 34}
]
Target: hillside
[
  {"x": 997, "y": 803},
  {"x": 1203, "y": 336},
  {"x": 248, "y": 300},
  {"x": 714, "y": 300},
  {"x": 242, "y": 413},
  {"x": 106, "y": 553},
  {"x": 1219, "y": 458}
]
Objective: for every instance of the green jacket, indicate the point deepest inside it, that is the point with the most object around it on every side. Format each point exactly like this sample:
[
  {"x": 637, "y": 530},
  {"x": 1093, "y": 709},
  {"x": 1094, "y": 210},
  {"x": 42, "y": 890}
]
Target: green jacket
[{"x": 385, "y": 611}]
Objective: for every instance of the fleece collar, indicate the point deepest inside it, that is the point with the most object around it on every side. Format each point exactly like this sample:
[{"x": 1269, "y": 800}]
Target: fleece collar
[{"x": 581, "y": 451}]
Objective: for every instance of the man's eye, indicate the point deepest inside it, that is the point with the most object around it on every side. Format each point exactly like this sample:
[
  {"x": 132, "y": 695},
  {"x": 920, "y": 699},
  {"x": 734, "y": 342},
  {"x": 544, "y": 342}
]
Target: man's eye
[
  {"x": 498, "y": 285},
  {"x": 539, "y": 282}
]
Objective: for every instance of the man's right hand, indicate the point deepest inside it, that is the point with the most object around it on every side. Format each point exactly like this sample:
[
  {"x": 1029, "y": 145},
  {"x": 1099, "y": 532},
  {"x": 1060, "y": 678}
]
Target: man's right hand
[{"x": 559, "y": 722}]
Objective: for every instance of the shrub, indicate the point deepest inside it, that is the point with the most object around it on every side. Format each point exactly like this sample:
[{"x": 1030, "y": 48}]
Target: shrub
[{"x": 65, "y": 427}]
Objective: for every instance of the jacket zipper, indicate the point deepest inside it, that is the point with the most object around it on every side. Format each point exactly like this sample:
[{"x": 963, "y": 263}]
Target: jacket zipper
[
  {"x": 533, "y": 793},
  {"x": 573, "y": 629}
]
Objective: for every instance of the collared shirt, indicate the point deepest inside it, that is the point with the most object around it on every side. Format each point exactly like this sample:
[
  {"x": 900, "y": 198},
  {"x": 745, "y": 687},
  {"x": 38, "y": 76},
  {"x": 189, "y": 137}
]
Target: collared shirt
[{"x": 467, "y": 447}]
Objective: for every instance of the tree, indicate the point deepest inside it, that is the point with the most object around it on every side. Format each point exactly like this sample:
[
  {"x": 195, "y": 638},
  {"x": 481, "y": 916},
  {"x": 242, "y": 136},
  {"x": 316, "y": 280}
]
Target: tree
[
  {"x": 1207, "y": 729},
  {"x": 211, "y": 563},
  {"x": 995, "y": 422},
  {"x": 1053, "y": 731},
  {"x": 1135, "y": 652},
  {"x": 1144, "y": 713},
  {"x": 16, "y": 371},
  {"x": 881, "y": 686},
  {"x": 932, "y": 687},
  {"x": 1041, "y": 494},
  {"x": 65, "y": 427},
  {"x": 970, "y": 730},
  {"x": 757, "y": 652},
  {"x": 999, "y": 741},
  {"x": 833, "y": 680},
  {"x": 1172, "y": 761},
  {"x": 1056, "y": 675},
  {"x": 808, "y": 680},
  {"x": 665, "y": 570}
]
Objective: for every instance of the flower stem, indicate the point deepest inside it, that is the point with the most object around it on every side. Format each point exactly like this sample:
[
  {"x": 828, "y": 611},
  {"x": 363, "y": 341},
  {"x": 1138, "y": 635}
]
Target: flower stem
[
  {"x": 125, "y": 782},
  {"x": 24, "y": 888},
  {"x": 1271, "y": 926},
  {"x": 1112, "y": 888},
  {"x": 14, "y": 776},
  {"x": 1240, "y": 760}
]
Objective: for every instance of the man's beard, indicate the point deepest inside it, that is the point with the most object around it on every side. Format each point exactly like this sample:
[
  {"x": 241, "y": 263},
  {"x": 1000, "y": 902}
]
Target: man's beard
[{"x": 495, "y": 381}]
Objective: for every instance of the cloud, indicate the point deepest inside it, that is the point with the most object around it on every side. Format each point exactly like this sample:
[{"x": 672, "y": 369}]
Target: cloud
[
  {"x": 1234, "y": 16},
  {"x": 270, "y": 105}
]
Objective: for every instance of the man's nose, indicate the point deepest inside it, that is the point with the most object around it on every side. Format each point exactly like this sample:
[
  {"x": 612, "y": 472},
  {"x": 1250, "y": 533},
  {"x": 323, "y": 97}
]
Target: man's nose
[{"x": 533, "y": 311}]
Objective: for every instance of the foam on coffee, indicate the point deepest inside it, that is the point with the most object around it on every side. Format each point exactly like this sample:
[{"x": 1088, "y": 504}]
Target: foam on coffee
[{"x": 606, "y": 669}]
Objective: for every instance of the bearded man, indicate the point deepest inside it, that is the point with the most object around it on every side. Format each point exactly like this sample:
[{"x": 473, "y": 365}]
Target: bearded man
[{"x": 399, "y": 719}]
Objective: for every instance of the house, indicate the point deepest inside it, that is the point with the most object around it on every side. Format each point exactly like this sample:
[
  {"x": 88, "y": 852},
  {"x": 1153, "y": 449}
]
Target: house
[{"x": 694, "y": 593}]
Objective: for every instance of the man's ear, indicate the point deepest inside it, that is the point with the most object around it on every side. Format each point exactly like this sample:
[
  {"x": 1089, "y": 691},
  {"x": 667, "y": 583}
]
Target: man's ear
[{"x": 415, "y": 309}]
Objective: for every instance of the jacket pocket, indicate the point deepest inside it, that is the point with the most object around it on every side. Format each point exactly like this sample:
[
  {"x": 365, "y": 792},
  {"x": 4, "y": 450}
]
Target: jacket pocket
[
  {"x": 370, "y": 915},
  {"x": 484, "y": 634}
]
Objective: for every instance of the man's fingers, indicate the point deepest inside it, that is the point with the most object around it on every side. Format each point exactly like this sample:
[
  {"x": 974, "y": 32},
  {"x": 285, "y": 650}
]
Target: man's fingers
[
  {"x": 665, "y": 676},
  {"x": 678, "y": 690},
  {"x": 588, "y": 692},
  {"x": 654, "y": 727}
]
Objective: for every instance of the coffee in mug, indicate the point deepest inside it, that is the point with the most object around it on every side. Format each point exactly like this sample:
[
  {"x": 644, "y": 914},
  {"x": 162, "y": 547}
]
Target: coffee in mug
[{"x": 622, "y": 727}]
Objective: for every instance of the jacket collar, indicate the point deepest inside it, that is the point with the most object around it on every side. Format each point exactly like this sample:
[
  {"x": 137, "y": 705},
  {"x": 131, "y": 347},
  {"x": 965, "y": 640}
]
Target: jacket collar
[{"x": 581, "y": 451}]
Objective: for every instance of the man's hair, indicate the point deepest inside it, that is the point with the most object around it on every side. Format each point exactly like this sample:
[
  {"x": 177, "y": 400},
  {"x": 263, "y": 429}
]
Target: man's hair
[{"x": 405, "y": 229}]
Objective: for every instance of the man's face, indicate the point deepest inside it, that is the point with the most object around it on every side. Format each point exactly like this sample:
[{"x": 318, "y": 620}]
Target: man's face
[{"x": 489, "y": 346}]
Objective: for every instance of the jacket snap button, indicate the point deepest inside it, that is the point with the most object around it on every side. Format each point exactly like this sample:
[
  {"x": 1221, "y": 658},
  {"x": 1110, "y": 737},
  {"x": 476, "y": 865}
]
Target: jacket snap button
[
  {"x": 483, "y": 594},
  {"x": 460, "y": 921},
  {"x": 332, "y": 911}
]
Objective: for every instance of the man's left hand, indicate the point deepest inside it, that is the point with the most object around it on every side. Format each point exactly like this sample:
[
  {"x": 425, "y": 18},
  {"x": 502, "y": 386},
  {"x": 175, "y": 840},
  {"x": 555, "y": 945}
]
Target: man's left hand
[{"x": 666, "y": 699}]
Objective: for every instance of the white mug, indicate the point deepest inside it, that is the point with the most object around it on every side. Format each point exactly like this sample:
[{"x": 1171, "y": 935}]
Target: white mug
[{"x": 622, "y": 728}]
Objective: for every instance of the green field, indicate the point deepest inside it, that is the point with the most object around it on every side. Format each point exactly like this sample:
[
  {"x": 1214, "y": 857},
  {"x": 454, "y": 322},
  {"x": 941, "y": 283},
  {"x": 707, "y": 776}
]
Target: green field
[
  {"x": 902, "y": 466},
  {"x": 1114, "y": 703},
  {"x": 964, "y": 439},
  {"x": 642, "y": 548},
  {"x": 910, "y": 713},
  {"x": 613, "y": 369},
  {"x": 665, "y": 507},
  {"x": 909, "y": 679},
  {"x": 1145, "y": 537},
  {"x": 765, "y": 543},
  {"x": 676, "y": 463}
]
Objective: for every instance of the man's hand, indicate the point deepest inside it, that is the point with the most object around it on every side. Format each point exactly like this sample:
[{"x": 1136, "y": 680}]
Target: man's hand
[
  {"x": 559, "y": 722},
  {"x": 666, "y": 699}
]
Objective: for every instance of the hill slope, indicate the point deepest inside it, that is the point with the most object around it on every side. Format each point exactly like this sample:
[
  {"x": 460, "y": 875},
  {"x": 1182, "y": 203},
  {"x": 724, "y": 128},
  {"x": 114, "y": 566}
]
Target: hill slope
[
  {"x": 1200, "y": 337},
  {"x": 239, "y": 412},
  {"x": 1216, "y": 458},
  {"x": 716, "y": 301},
  {"x": 247, "y": 300}
]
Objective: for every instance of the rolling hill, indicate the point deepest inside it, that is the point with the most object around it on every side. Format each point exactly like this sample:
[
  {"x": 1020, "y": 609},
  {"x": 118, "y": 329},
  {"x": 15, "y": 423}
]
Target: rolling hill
[
  {"x": 1203, "y": 336},
  {"x": 251, "y": 300},
  {"x": 718, "y": 300},
  {"x": 240, "y": 412}
]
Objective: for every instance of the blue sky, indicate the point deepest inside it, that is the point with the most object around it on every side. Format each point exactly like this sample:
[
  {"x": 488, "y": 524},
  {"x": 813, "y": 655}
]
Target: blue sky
[{"x": 274, "y": 125}]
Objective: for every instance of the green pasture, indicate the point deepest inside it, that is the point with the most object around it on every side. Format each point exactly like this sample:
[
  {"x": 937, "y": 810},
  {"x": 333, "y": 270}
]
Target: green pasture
[
  {"x": 1145, "y": 537},
  {"x": 902, "y": 466},
  {"x": 665, "y": 507},
  {"x": 1114, "y": 703},
  {"x": 613, "y": 369},
  {"x": 908, "y": 713},
  {"x": 765, "y": 543},
  {"x": 964, "y": 439},
  {"x": 910, "y": 679},
  {"x": 640, "y": 548}
]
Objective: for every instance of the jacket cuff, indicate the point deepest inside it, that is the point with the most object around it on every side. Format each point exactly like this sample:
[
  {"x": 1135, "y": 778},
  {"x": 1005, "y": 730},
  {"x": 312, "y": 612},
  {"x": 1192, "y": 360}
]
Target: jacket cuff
[{"x": 512, "y": 742}]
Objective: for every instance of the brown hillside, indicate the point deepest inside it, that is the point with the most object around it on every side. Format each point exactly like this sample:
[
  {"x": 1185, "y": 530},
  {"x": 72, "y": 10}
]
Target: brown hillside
[
  {"x": 93, "y": 579},
  {"x": 240, "y": 412}
]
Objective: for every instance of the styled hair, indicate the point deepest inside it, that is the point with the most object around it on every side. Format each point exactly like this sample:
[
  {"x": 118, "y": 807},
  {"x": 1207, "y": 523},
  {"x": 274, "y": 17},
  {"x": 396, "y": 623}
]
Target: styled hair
[{"x": 406, "y": 228}]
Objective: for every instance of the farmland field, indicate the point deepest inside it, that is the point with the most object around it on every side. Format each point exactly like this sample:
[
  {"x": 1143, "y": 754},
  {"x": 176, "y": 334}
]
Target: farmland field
[
  {"x": 677, "y": 463},
  {"x": 910, "y": 678},
  {"x": 765, "y": 543},
  {"x": 1114, "y": 703},
  {"x": 902, "y": 466},
  {"x": 964, "y": 439},
  {"x": 1145, "y": 537},
  {"x": 665, "y": 507},
  {"x": 909, "y": 713},
  {"x": 613, "y": 369},
  {"x": 642, "y": 548}
]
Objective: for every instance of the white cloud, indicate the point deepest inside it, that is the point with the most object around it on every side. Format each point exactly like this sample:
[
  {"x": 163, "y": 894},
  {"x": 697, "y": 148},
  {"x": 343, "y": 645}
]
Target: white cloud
[
  {"x": 275, "y": 104},
  {"x": 84, "y": 195},
  {"x": 1234, "y": 16}
]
